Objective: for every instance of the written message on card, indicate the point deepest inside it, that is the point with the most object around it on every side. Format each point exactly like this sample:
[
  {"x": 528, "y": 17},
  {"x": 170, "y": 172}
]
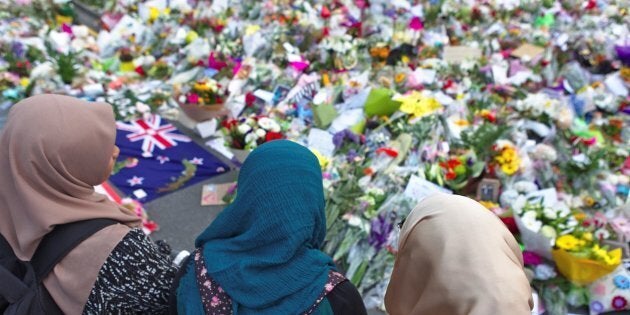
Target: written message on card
[{"x": 460, "y": 53}]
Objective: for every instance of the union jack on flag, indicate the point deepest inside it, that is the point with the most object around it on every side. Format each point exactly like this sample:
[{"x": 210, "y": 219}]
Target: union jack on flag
[
  {"x": 152, "y": 134},
  {"x": 151, "y": 162}
]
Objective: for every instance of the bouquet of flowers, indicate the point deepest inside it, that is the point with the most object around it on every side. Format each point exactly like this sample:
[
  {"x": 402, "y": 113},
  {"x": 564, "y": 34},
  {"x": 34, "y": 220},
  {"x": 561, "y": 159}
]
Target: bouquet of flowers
[
  {"x": 582, "y": 259},
  {"x": 456, "y": 171},
  {"x": 249, "y": 132},
  {"x": 541, "y": 221},
  {"x": 203, "y": 100}
]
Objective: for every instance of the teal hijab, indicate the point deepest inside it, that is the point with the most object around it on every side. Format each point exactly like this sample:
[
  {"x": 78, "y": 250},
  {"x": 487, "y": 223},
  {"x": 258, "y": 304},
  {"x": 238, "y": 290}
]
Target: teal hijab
[{"x": 264, "y": 248}]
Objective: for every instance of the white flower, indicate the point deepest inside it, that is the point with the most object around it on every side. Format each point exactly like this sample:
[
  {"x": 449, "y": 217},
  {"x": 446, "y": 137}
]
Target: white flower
[
  {"x": 265, "y": 123},
  {"x": 545, "y": 152},
  {"x": 525, "y": 187},
  {"x": 244, "y": 128},
  {"x": 261, "y": 133},
  {"x": 602, "y": 234},
  {"x": 544, "y": 272},
  {"x": 550, "y": 213},
  {"x": 508, "y": 197},
  {"x": 548, "y": 232},
  {"x": 530, "y": 221},
  {"x": 251, "y": 137}
]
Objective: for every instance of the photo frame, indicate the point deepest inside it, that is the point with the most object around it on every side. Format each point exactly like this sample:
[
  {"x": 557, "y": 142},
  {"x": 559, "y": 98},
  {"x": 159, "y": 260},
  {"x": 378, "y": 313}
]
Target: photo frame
[{"x": 488, "y": 190}]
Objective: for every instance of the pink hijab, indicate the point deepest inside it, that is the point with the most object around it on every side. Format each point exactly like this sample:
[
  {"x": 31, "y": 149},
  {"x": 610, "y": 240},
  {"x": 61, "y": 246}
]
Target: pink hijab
[
  {"x": 53, "y": 151},
  {"x": 455, "y": 257}
]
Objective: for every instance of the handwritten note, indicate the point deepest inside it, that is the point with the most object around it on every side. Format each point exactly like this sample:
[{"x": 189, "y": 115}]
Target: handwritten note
[{"x": 460, "y": 53}]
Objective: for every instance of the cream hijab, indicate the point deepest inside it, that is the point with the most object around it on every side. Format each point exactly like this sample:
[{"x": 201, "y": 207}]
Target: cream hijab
[
  {"x": 53, "y": 150},
  {"x": 455, "y": 257}
]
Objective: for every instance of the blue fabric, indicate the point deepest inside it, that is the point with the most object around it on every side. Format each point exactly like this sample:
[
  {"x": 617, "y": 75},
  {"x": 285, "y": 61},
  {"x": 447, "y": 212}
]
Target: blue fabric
[
  {"x": 158, "y": 149},
  {"x": 264, "y": 248}
]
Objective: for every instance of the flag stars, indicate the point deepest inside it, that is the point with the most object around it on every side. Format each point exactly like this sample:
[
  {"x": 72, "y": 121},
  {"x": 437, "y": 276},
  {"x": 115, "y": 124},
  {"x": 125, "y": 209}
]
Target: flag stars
[
  {"x": 135, "y": 181},
  {"x": 163, "y": 159},
  {"x": 197, "y": 161}
]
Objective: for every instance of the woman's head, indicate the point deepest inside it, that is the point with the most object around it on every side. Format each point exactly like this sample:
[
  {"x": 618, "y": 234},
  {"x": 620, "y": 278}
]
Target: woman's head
[
  {"x": 61, "y": 139},
  {"x": 53, "y": 150},
  {"x": 270, "y": 236},
  {"x": 279, "y": 182},
  {"x": 456, "y": 257}
]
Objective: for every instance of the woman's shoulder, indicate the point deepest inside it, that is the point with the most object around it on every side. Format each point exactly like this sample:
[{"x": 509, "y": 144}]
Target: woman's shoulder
[{"x": 344, "y": 298}]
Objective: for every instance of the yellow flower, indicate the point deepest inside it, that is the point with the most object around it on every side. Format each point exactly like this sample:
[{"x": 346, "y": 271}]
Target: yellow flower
[
  {"x": 580, "y": 216},
  {"x": 509, "y": 169},
  {"x": 252, "y": 29},
  {"x": 599, "y": 252},
  {"x": 24, "y": 82},
  {"x": 613, "y": 257},
  {"x": 588, "y": 236},
  {"x": 399, "y": 77},
  {"x": 418, "y": 105},
  {"x": 323, "y": 161},
  {"x": 567, "y": 242},
  {"x": 589, "y": 201},
  {"x": 489, "y": 204},
  {"x": 191, "y": 36}
]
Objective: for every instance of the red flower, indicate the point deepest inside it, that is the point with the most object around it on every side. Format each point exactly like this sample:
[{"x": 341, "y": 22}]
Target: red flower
[
  {"x": 619, "y": 303},
  {"x": 389, "y": 151},
  {"x": 510, "y": 223},
  {"x": 325, "y": 12},
  {"x": 450, "y": 175},
  {"x": 273, "y": 136},
  {"x": 250, "y": 99},
  {"x": 416, "y": 24},
  {"x": 140, "y": 71},
  {"x": 531, "y": 258},
  {"x": 453, "y": 163},
  {"x": 229, "y": 123}
]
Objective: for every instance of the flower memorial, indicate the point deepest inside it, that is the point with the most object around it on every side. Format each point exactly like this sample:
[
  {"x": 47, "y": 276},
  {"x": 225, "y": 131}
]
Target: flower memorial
[{"x": 522, "y": 105}]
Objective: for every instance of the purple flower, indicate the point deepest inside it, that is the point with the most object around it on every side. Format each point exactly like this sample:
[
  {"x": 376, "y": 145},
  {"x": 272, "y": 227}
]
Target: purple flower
[
  {"x": 352, "y": 136},
  {"x": 624, "y": 53},
  {"x": 338, "y": 139},
  {"x": 18, "y": 50},
  {"x": 351, "y": 156},
  {"x": 381, "y": 227}
]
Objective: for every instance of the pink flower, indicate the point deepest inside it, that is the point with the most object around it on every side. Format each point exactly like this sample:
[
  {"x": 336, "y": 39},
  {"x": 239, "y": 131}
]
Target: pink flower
[
  {"x": 531, "y": 258},
  {"x": 416, "y": 24},
  {"x": 299, "y": 65},
  {"x": 621, "y": 226},
  {"x": 193, "y": 98}
]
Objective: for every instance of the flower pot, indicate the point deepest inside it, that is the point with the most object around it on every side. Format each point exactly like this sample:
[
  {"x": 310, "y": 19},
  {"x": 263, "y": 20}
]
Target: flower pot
[{"x": 201, "y": 113}]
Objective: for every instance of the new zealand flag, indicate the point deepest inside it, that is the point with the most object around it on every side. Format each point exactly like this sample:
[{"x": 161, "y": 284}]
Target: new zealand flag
[{"x": 155, "y": 159}]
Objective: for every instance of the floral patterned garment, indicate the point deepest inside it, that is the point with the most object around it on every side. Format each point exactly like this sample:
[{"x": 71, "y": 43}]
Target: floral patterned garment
[
  {"x": 217, "y": 302},
  {"x": 136, "y": 278}
]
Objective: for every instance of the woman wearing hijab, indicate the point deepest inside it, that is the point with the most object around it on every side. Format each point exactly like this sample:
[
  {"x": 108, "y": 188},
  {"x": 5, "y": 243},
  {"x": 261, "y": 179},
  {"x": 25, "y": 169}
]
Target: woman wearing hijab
[
  {"x": 455, "y": 257},
  {"x": 53, "y": 151},
  {"x": 261, "y": 255}
]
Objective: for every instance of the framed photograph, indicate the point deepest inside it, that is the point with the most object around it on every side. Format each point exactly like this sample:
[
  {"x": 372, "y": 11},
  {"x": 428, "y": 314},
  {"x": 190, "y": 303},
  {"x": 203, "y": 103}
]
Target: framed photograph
[
  {"x": 488, "y": 190},
  {"x": 280, "y": 93}
]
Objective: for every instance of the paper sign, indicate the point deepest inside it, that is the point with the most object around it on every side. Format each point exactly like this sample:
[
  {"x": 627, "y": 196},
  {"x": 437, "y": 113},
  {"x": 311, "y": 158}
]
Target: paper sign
[
  {"x": 346, "y": 120},
  {"x": 460, "y": 53},
  {"x": 212, "y": 194},
  {"x": 418, "y": 188},
  {"x": 264, "y": 95},
  {"x": 322, "y": 141},
  {"x": 207, "y": 128},
  {"x": 616, "y": 85},
  {"x": 218, "y": 145},
  {"x": 527, "y": 52}
]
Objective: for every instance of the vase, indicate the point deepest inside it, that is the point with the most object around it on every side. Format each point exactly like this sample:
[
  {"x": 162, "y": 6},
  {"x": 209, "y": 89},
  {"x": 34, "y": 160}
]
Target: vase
[{"x": 201, "y": 113}]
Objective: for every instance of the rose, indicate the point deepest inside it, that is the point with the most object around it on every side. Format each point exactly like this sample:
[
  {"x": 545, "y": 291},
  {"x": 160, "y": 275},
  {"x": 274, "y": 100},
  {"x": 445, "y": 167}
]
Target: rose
[{"x": 273, "y": 136}]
